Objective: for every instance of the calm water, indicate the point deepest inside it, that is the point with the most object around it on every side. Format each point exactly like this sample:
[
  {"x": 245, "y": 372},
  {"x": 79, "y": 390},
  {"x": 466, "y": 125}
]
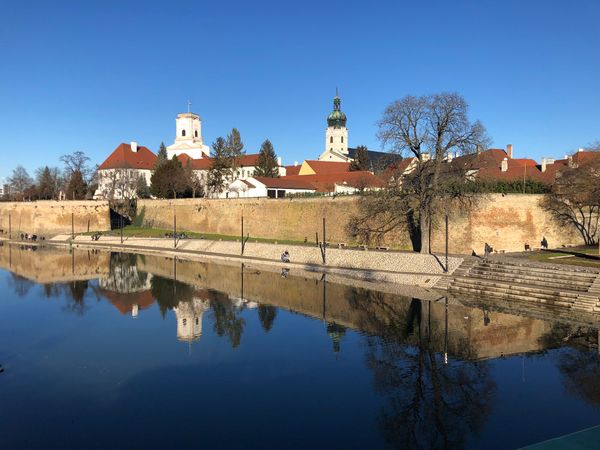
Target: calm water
[{"x": 108, "y": 350}]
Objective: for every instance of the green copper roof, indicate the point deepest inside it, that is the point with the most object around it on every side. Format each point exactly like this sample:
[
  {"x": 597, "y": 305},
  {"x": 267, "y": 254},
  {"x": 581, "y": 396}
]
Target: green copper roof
[{"x": 337, "y": 118}]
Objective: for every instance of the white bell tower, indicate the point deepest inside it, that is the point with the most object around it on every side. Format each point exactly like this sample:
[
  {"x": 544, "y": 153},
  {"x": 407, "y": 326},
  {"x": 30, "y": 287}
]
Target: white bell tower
[
  {"x": 336, "y": 135},
  {"x": 188, "y": 137}
]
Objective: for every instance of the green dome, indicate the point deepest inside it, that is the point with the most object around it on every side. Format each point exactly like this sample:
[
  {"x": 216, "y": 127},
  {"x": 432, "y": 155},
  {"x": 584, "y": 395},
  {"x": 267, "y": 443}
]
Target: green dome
[{"x": 337, "y": 118}]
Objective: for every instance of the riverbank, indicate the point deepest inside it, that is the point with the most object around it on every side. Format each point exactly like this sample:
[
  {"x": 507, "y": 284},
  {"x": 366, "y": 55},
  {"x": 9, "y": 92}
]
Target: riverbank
[{"x": 403, "y": 268}]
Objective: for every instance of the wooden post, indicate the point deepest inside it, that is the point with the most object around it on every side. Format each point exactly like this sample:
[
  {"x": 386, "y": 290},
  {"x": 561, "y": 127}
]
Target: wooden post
[
  {"x": 324, "y": 251},
  {"x": 121, "y": 217},
  {"x": 174, "y": 228},
  {"x": 446, "y": 266},
  {"x": 9, "y": 226},
  {"x": 242, "y": 235},
  {"x": 72, "y": 225}
]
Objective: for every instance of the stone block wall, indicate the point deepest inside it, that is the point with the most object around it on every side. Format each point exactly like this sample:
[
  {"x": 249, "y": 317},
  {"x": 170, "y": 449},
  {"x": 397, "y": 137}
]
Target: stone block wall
[
  {"x": 506, "y": 222},
  {"x": 49, "y": 217}
]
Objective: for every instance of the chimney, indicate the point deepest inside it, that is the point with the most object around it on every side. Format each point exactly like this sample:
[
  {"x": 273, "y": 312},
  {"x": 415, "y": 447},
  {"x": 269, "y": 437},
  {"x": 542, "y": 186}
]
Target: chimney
[
  {"x": 425, "y": 157},
  {"x": 545, "y": 162},
  {"x": 504, "y": 165},
  {"x": 295, "y": 163},
  {"x": 570, "y": 161},
  {"x": 581, "y": 150},
  {"x": 279, "y": 161},
  {"x": 449, "y": 157},
  {"x": 509, "y": 152},
  {"x": 134, "y": 147}
]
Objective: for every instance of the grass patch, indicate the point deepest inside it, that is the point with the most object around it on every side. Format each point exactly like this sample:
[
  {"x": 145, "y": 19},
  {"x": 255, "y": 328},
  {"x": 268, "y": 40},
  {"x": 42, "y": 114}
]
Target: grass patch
[{"x": 563, "y": 257}]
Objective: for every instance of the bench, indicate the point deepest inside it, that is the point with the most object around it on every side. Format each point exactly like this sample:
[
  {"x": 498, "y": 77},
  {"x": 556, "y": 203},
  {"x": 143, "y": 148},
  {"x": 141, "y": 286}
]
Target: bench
[
  {"x": 342, "y": 245},
  {"x": 385, "y": 249}
]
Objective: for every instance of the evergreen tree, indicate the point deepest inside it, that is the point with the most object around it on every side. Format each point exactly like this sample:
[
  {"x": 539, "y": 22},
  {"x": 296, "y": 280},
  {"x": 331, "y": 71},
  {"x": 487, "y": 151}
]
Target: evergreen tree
[
  {"x": 45, "y": 183},
  {"x": 234, "y": 150},
  {"x": 361, "y": 162},
  {"x": 267, "y": 165},
  {"x": 220, "y": 167},
  {"x": 142, "y": 190},
  {"x": 162, "y": 156},
  {"x": 77, "y": 187},
  {"x": 168, "y": 179}
]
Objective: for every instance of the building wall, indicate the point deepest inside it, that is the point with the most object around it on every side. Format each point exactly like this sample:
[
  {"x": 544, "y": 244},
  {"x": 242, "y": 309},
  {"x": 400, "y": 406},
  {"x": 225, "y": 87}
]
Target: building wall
[
  {"x": 505, "y": 222},
  {"x": 49, "y": 217}
]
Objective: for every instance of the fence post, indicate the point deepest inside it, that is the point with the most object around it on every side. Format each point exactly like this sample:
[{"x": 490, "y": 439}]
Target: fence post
[
  {"x": 174, "y": 228},
  {"x": 72, "y": 225},
  {"x": 121, "y": 220},
  {"x": 324, "y": 244},
  {"x": 446, "y": 266},
  {"x": 242, "y": 235},
  {"x": 9, "y": 226}
]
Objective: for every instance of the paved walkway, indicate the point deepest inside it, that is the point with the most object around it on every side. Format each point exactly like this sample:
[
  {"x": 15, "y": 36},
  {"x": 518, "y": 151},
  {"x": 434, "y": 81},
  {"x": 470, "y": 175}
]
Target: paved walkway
[{"x": 396, "y": 267}]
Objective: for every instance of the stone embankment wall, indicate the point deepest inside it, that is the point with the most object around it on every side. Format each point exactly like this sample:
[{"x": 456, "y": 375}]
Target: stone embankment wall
[
  {"x": 506, "y": 222},
  {"x": 48, "y": 217}
]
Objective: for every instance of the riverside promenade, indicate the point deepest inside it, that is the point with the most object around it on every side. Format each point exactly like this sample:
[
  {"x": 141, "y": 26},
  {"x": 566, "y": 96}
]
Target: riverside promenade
[{"x": 406, "y": 268}]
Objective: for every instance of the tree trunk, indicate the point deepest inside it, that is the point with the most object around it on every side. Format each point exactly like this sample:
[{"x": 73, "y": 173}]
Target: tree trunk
[{"x": 424, "y": 225}]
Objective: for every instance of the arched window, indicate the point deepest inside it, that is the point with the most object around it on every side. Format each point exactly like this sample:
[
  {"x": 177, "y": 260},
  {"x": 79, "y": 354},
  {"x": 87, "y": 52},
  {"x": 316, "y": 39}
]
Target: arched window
[
  {"x": 196, "y": 133},
  {"x": 183, "y": 132},
  {"x": 342, "y": 139},
  {"x": 331, "y": 140},
  {"x": 184, "y": 322}
]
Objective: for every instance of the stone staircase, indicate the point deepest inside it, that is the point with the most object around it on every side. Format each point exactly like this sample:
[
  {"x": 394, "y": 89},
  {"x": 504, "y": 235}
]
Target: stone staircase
[{"x": 562, "y": 286}]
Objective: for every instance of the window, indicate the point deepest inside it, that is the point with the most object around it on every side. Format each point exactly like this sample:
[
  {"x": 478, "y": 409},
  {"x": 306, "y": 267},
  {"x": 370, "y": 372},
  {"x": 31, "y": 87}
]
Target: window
[
  {"x": 342, "y": 139},
  {"x": 196, "y": 321},
  {"x": 183, "y": 132},
  {"x": 184, "y": 322},
  {"x": 331, "y": 140},
  {"x": 196, "y": 133}
]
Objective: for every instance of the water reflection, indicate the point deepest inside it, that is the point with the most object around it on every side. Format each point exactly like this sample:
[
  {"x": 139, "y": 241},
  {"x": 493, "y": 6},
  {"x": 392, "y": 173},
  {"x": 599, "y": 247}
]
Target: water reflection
[{"x": 430, "y": 360}]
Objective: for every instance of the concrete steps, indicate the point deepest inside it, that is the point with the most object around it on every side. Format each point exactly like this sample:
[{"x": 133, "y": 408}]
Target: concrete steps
[{"x": 564, "y": 287}]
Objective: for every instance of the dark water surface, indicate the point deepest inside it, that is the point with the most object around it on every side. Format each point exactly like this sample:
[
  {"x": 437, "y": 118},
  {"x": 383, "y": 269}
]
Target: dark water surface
[{"x": 108, "y": 350}]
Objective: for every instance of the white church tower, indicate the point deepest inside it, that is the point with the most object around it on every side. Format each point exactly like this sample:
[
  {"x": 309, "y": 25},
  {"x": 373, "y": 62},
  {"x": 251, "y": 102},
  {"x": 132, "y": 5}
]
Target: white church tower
[
  {"x": 188, "y": 137},
  {"x": 336, "y": 135}
]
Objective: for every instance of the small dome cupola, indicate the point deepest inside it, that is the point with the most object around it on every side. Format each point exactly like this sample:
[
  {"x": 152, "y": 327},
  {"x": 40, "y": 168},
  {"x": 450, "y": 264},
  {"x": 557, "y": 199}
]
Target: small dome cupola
[{"x": 336, "y": 118}]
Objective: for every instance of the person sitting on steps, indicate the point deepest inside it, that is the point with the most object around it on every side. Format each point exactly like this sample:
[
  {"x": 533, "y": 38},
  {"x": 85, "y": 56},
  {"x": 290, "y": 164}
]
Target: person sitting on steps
[{"x": 285, "y": 257}]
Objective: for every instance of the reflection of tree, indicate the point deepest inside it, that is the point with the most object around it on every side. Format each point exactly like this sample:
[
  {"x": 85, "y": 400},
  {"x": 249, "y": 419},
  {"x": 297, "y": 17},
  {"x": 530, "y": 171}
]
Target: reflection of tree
[
  {"x": 581, "y": 374},
  {"x": 266, "y": 315},
  {"x": 124, "y": 276},
  {"x": 21, "y": 285},
  {"x": 76, "y": 294},
  {"x": 226, "y": 319},
  {"x": 168, "y": 293},
  {"x": 430, "y": 404},
  {"x": 579, "y": 366}
]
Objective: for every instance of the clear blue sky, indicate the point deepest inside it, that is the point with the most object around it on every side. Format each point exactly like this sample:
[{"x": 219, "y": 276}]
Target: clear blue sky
[{"x": 87, "y": 75}]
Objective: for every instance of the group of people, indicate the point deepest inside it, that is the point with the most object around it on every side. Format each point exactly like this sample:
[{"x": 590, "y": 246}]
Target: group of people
[
  {"x": 29, "y": 237},
  {"x": 488, "y": 249}
]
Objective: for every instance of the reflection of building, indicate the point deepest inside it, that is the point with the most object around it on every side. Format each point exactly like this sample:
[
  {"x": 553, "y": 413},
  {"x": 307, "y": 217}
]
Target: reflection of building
[
  {"x": 125, "y": 287},
  {"x": 336, "y": 333},
  {"x": 189, "y": 319}
]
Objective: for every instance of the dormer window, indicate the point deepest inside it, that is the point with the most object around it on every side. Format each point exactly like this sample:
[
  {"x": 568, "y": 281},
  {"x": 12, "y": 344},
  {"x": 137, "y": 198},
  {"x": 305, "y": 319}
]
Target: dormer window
[{"x": 183, "y": 132}]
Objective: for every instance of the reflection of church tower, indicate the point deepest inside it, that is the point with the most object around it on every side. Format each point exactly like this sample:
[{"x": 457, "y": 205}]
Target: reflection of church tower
[
  {"x": 336, "y": 135},
  {"x": 336, "y": 333},
  {"x": 189, "y": 319}
]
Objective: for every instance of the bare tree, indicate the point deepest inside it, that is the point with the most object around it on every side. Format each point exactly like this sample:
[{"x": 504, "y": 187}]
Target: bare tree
[
  {"x": 76, "y": 162},
  {"x": 427, "y": 128},
  {"x": 19, "y": 181},
  {"x": 575, "y": 199}
]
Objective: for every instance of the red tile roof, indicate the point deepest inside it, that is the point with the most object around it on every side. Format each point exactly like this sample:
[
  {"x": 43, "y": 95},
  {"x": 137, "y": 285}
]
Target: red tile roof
[
  {"x": 124, "y": 158},
  {"x": 325, "y": 182},
  {"x": 292, "y": 170},
  {"x": 124, "y": 302},
  {"x": 205, "y": 163}
]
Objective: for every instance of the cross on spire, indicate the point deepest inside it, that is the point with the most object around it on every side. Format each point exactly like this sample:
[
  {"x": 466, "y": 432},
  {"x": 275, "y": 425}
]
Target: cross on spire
[{"x": 189, "y": 106}]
